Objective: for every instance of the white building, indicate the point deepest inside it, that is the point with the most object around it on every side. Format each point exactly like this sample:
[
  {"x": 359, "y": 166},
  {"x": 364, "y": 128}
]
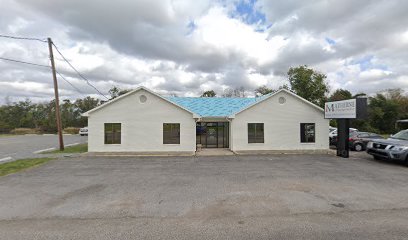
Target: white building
[{"x": 144, "y": 122}]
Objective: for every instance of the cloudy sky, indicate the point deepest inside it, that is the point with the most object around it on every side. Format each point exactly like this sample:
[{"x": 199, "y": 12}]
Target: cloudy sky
[{"x": 185, "y": 47}]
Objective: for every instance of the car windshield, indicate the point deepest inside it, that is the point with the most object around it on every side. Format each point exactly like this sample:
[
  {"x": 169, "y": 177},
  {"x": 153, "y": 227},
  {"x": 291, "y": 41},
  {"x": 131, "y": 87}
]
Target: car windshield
[{"x": 401, "y": 135}]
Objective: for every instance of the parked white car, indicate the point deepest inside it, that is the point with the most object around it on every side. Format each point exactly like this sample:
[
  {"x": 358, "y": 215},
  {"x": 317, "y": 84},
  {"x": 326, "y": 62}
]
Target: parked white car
[
  {"x": 332, "y": 132},
  {"x": 83, "y": 131}
]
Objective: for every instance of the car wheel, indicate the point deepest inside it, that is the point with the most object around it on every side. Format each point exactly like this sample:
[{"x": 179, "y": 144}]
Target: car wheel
[
  {"x": 377, "y": 158},
  {"x": 358, "y": 147}
]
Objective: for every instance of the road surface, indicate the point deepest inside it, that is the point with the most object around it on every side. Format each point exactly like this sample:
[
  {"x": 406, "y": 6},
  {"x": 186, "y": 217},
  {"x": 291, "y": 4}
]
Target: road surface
[{"x": 27, "y": 146}]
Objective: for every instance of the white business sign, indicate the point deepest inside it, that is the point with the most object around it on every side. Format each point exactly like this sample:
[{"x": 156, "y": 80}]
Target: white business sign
[{"x": 341, "y": 109}]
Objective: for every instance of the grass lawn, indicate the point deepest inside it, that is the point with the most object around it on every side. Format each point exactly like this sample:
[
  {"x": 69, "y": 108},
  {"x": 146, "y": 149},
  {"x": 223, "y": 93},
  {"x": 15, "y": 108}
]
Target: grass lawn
[
  {"x": 80, "y": 148},
  {"x": 18, "y": 165},
  {"x": 6, "y": 135}
]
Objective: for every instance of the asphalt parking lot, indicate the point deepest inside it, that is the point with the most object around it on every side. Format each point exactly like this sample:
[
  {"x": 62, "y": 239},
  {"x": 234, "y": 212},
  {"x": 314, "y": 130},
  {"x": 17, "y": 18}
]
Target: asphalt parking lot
[
  {"x": 26, "y": 146},
  {"x": 229, "y": 197}
]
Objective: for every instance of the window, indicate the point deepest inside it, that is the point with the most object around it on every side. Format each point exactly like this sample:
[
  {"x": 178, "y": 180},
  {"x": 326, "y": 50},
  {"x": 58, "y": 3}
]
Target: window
[
  {"x": 307, "y": 132},
  {"x": 171, "y": 133},
  {"x": 255, "y": 133},
  {"x": 112, "y": 133}
]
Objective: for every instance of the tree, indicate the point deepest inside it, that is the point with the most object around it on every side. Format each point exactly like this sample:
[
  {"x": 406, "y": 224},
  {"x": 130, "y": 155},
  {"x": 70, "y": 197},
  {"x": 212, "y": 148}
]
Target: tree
[
  {"x": 25, "y": 114},
  {"x": 82, "y": 106},
  {"x": 340, "y": 94},
  {"x": 114, "y": 92},
  {"x": 236, "y": 92},
  {"x": 308, "y": 84},
  {"x": 228, "y": 92},
  {"x": 86, "y": 104},
  {"x": 383, "y": 113},
  {"x": 209, "y": 93},
  {"x": 263, "y": 90},
  {"x": 361, "y": 94},
  {"x": 67, "y": 113},
  {"x": 239, "y": 92}
]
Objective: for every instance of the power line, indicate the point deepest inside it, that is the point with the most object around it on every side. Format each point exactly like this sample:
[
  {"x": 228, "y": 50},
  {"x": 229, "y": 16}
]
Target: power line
[
  {"x": 79, "y": 74},
  {"x": 59, "y": 52},
  {"x": 40, "y": 65},
  {"x": 18, "y": 61},
  {"x": 72, "y": 85},
  {"x": 23, "y": 38}
]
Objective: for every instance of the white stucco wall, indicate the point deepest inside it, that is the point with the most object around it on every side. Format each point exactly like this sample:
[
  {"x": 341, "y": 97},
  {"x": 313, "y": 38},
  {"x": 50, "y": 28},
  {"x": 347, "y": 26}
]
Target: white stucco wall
[
  {"x": 142, "y": 125},
  {"x": 281, "y": 125}
]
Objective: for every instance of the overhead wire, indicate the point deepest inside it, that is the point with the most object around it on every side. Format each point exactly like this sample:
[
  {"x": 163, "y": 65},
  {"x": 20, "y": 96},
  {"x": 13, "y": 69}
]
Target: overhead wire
[
  {"x": 66, "y": 80},
  {"x": 23, "y": 38},
  {"x": 79, "y": 74},
  {"x": 18, "y": 61},
  {"x": 40, "y": 65}
]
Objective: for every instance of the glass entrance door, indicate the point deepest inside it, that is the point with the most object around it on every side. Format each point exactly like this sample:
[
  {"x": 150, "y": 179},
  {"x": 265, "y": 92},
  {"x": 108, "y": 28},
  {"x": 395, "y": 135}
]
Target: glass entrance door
[{"x": 213, "y": 134}]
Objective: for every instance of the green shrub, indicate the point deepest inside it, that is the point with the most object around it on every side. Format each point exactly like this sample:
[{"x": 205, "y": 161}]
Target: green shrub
[
  {"x": 22, "y": 131},
  {"x": 71, "y": 130}
]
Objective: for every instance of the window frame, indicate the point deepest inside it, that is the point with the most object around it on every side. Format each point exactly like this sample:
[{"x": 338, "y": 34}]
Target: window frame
[
  {"x": 170, "y": 141},
  {"x": 113, "y": 132},
  {"x": 303, "y": 136},
  {"x": 258, "y": 136}
]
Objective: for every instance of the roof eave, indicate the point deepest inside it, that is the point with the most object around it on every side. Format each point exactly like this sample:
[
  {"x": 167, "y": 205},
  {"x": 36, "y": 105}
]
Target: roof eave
[
  {"x": 273, "y": 94},
  {"x": 221, "y": 117},
  {"x": 86, "y": 114}
]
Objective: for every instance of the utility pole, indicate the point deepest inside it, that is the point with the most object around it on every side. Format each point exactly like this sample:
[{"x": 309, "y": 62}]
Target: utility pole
[{"x": 57, "y": 108}]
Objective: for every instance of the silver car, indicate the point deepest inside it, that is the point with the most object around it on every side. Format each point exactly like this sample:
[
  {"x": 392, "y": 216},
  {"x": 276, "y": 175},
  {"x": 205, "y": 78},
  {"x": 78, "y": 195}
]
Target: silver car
[{"x": 395, "y": 147}]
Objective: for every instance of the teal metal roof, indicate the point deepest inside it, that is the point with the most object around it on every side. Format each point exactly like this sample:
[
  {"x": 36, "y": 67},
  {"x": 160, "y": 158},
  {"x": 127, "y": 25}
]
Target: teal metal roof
[{"x": 214, "y": 106}]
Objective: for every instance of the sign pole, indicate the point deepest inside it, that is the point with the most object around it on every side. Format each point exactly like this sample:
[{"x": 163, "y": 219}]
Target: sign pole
[
  {"x": 343, "y": 111},
  {"x": 343, "y": 129}
]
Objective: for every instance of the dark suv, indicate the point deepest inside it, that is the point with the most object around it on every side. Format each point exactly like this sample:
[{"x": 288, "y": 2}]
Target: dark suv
[
  {"x": 395, "y": 147},
  {"x": 358, "y": 140}
]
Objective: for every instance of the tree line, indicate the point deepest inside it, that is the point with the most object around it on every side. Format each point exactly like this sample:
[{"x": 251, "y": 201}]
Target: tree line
[
  {"x": 41, "y": 116},
  {"x": 384, "y": 108}
]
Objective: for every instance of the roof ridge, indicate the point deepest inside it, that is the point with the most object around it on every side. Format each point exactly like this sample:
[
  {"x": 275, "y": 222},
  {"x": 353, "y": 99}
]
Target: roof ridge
[{"x": 217, "y": 97}]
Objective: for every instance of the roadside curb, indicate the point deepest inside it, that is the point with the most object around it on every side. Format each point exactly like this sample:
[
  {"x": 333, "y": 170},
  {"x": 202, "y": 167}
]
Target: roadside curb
[{"x": 44, "y": 150}]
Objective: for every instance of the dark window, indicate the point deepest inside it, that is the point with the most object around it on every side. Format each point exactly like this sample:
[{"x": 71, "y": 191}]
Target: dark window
[
  {"x": 112, "y": 133},
  {"x": 171, "y": 133},
  {"x": 255, "y": 133},
  {"x": 307, "y": 132}
]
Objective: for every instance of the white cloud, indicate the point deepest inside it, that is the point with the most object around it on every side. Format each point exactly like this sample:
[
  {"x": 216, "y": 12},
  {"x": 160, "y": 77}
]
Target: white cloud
[{"x": 187, "y": 47}]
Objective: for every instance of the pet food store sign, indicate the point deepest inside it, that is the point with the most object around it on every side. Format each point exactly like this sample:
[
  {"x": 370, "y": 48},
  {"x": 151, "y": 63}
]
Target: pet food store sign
[{"x": 341, "y": 109}]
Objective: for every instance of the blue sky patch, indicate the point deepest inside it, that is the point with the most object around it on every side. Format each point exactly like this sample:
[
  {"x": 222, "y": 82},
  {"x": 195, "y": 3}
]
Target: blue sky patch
[
  {"x": 191, "y": 26},
  {"x": 366, "y": 63},
  {"x": 246, "y": 10},
  {"x": 330, "y": 41}
]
